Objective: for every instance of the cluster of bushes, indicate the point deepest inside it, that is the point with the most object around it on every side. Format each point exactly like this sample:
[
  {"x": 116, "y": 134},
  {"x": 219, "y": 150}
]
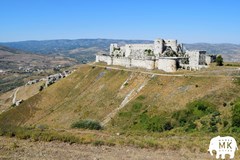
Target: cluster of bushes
[
  {"x": 143, "y": 121},
  {"x": 185, "y": 119},
  {"x": 214, "y": 121},
  {"x": 199, "y": 115},
  {"x": 87, "y": 124},
  {"x": 194, "y": 111},
  {"x": 154, "y": 124},
  {"x": 236, "y": 117}
]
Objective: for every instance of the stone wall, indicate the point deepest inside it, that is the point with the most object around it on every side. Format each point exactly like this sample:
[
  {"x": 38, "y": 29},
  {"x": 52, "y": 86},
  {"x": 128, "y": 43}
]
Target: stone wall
[
  {"x": 121, "y": 61},
  {"x": 140, "y": 46},
  {"x": 148, "y": 64},
  {"x": 167, "y": 64},
  {"x": 197, "y": 59},
  {"x": 104, "y": 58},
  {"x": 210, "y": 59},
  {"x": 193, "y": 58},
  {"x": 172, "y": 44},
  {"x": 127, "y": 62}
]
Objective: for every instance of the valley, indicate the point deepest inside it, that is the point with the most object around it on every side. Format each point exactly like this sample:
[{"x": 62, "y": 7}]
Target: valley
[{"x": 18, "y": 67}]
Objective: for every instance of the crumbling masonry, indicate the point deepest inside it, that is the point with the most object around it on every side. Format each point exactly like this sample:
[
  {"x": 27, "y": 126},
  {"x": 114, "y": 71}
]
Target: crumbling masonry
[{"x": 166, "y": 55}]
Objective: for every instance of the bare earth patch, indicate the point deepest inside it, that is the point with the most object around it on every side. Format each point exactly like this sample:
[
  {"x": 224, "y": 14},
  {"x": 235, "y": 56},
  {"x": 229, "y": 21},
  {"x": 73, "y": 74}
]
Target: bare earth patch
[{"x": 11, "y": 148}]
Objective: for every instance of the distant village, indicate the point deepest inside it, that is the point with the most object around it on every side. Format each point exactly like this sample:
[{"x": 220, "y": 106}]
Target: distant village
[{"x": 49, "y": 80}]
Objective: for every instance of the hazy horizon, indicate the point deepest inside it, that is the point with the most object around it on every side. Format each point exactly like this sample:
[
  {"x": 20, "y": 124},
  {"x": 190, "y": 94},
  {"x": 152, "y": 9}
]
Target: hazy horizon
[{"x": 115, "y": 39}]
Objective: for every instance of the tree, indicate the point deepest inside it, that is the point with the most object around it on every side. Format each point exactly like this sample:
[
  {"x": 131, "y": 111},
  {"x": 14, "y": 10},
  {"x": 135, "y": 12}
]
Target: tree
[
  {"x": 219, "y": 60},
  {"x": 41, "y": 88}
]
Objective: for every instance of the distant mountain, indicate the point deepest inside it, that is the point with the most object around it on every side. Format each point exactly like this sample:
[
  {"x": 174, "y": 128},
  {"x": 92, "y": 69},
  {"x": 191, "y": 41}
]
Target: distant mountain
[
  {"x": 64, "y": 45},
  {"x": 17, "y": 67},
  {"x": 80, "y": 49},
  {"x": 85, "y": 49},
  {"x": 13, "y": 59}
]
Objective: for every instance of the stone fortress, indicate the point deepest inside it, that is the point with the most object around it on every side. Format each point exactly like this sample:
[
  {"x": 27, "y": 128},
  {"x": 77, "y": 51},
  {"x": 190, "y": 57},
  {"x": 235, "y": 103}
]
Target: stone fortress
[{"x": 166, "y": 55}]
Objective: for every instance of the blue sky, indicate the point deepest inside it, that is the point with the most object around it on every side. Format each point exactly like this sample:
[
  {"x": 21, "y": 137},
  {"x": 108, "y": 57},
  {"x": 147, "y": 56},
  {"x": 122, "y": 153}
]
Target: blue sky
[{"x": 189, "y": 21}]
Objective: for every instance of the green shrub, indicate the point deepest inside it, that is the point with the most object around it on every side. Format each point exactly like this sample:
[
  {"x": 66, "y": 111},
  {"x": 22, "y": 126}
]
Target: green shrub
[
  {"x": 167, "y": 126},
  {"x": 193, "y": 111},
  {"x": 236, "y": 115},
  {"x": 87, "y": 124},
  {"x": 225, "y": 123},
  {"x": 219, "y": 60},
  {"x": 235, "y": 129},
  {"x": 190, "y": 126},
  {"x": 155, "y": 123},
  {"x": 224, "y": 104},
  {"x": 136, "y": 106},
  {"x": 41, "y": 88},
  {"x": 141, "y": 97},
  {"x": 213, "y": 129}
]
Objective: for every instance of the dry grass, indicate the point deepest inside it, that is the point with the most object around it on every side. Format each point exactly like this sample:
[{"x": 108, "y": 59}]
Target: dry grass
[
  {"x": 94, "y": 92},
  {"x": 23, "y": 93}
]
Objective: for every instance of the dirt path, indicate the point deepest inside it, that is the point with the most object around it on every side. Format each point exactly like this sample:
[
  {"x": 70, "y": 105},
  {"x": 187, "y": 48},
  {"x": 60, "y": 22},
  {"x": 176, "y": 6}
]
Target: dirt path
[
  {"x": 132, "y": 94},
  {"x": 15, "y": 96},
  {"x": 11, "y": 148}
]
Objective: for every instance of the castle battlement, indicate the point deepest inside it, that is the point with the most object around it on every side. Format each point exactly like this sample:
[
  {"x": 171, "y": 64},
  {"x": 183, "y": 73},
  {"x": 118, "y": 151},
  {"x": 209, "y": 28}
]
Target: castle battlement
[{"x": 166, "y": 55}]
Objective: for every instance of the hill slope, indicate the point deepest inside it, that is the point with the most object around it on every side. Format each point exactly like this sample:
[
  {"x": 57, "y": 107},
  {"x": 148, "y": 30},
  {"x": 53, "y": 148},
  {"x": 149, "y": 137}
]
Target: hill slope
[
  {"x": 94, "y": 93},
  {"x": 141, "y": 107}
]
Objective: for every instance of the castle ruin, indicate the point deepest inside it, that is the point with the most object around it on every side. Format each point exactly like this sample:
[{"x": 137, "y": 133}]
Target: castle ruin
[{"x": 166, "y": 55}]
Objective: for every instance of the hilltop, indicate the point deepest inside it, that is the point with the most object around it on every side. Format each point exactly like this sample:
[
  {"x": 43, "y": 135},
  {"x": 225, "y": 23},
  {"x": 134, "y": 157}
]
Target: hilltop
[{"x": 135, "y": 107}]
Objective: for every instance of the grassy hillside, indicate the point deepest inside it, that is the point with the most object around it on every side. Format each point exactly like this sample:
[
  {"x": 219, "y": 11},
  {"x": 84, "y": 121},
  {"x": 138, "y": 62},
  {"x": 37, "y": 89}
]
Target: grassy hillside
[
  {"x": 23, "y": 93},
  {"x": 132, "y": 104}
]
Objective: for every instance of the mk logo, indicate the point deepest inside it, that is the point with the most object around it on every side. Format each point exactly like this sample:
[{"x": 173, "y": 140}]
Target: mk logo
[{"x": 225, "y": 145}]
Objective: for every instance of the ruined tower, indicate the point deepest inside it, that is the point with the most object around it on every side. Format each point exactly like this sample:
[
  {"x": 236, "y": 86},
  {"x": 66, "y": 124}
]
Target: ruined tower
[{"x": 158, "y": 47}]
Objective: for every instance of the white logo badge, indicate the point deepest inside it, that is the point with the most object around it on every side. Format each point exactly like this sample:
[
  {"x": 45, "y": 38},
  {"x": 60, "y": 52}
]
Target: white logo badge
[{"x": 223, "y": 146}]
